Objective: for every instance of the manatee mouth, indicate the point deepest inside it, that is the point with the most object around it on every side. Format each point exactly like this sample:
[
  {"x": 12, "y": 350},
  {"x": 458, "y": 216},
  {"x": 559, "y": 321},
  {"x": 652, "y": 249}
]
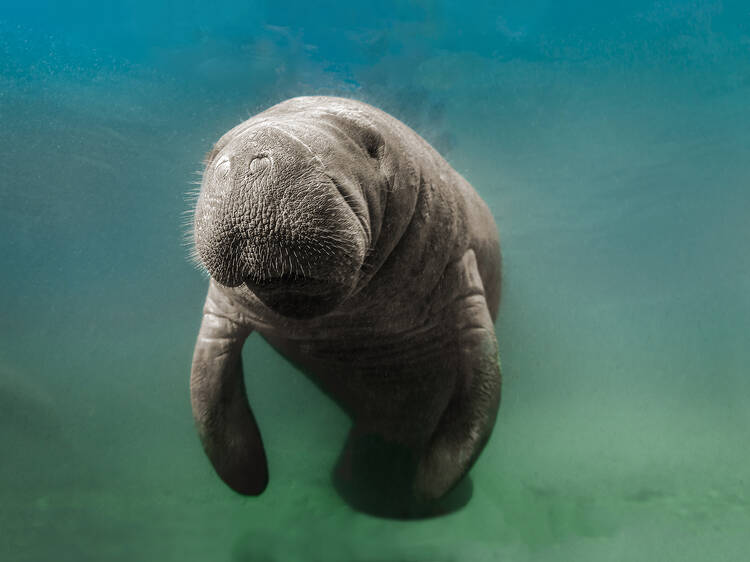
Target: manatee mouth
[{"x": 297, "y": 296}]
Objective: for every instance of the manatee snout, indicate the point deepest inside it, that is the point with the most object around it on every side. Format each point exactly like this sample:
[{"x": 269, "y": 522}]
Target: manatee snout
[{"x": 269, "y": 217}]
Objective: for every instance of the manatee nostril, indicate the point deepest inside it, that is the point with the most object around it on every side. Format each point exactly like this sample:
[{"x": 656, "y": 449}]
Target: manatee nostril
[
  {"x": 259, "y": 163},
  {"x": 223, "y": 166}
]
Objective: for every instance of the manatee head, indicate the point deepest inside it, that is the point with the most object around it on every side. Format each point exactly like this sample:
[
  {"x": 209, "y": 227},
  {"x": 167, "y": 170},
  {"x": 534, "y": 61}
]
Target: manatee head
[{"x": 282, "y": 211}]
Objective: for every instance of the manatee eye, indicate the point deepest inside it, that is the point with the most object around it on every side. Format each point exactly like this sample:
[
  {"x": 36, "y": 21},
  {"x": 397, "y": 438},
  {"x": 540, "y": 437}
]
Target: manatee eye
[
  {"x": 373, "y": 143},
  {"x": 222, "y": 167}
]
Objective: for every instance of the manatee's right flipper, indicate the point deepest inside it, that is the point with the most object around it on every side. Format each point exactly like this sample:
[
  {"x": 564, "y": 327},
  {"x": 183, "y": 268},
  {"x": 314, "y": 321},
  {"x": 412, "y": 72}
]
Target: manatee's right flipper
[
  {"x": 467, "y": 423},
  {"x": 225, "y": 422}
]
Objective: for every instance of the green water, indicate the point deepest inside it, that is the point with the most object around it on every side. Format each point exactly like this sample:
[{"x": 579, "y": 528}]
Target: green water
[{"x": 612, "y": 146}]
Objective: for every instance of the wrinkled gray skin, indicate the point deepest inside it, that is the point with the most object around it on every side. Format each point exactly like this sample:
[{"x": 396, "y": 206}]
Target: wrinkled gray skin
[{"x": 355, "y": 250}]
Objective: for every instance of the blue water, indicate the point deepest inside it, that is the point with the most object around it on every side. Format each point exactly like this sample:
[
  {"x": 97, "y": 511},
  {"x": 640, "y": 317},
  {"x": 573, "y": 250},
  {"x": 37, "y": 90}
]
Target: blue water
[{"x": 612, "y": 143}]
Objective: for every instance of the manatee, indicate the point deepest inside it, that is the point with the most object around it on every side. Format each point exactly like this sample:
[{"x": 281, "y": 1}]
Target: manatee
[{"x": 354, "y": 249}]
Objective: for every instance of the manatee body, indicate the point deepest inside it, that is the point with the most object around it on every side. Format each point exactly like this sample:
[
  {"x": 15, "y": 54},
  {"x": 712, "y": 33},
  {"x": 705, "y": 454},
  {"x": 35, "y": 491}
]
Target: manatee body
[{"x": 354, "y": 249}]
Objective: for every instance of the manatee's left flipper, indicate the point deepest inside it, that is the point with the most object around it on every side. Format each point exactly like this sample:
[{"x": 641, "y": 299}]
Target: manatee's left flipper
[
  {"x": 467, "y": 423},
  {"x": 222, "y": 413}
]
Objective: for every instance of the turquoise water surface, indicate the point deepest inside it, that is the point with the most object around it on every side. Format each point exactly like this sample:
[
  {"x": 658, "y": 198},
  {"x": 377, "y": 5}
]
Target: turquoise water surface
[{"x": 610, "y": 140}]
